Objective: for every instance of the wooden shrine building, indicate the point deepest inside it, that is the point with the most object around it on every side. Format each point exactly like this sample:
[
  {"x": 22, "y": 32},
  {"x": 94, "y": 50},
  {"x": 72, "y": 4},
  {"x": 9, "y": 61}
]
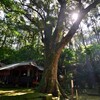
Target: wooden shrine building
[{"x": 22, "y": 74}]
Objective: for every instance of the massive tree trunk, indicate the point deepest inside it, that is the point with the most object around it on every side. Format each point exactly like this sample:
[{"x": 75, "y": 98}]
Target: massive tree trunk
[
  {"x": 54, "y": 45},
  {"x": 49, "y": 80}
]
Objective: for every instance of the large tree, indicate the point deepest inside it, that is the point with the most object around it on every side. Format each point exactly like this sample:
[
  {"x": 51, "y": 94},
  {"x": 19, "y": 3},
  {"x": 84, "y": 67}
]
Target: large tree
[
  {"x": 52, "y": 19},
  {"x": 54, "y": 43}
]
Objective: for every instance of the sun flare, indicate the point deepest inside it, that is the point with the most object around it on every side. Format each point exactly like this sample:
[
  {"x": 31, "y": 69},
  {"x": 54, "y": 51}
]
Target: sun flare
[{"x": 74, "y": 16}]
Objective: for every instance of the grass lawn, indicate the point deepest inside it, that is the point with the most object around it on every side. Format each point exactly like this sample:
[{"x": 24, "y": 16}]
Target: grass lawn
[
  {"x": 88, "y": 97},
  {"x": 19, "y": 94},
  {"x": 30, "y": 94}
]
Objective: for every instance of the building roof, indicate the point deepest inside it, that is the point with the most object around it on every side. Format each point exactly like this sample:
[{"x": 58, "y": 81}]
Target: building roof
[{"x": 12, "y": 66}]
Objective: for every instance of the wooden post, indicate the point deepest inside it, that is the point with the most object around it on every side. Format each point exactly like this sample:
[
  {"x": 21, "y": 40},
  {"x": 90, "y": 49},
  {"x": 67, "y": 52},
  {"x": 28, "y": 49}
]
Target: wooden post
[
  {"x": 72, "y": 90},
  {"x": 76, "y": 94},
  {"x": 37, "y": 76},
  {"x": 28, "y": 74}
]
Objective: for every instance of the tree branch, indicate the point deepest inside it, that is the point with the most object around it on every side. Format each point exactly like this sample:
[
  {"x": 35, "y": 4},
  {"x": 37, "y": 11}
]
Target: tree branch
[
  {"x": 75, "y": 26},
  {"x": 29, "y": 6},
  {"x": 39, "y": 13},
  {"x": 61, "y": 20}
]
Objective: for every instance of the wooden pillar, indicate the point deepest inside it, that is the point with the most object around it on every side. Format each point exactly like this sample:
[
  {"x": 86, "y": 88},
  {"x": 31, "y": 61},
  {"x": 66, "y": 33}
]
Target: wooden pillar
[
  {"x": 28, "y": 75},
  {"x": 72, "y": 90},
  {"x": 37, "y": 76},
  {"x": 28, "y": 72}
]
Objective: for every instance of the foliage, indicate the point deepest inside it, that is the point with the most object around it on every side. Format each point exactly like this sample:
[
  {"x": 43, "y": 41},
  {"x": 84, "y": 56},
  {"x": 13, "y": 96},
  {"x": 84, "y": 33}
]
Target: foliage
[
  {"x": 31, "y": 22},
  {"x": 5, "y": 54},
  {"x": 8, "y": 55},
  {"x": 30, "y": 53},
  {"x": 67, "y": 57}
]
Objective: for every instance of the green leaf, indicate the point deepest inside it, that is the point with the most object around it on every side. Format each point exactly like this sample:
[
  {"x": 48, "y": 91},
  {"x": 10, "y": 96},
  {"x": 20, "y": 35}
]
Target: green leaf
[{"x": 16, "y": 32}]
